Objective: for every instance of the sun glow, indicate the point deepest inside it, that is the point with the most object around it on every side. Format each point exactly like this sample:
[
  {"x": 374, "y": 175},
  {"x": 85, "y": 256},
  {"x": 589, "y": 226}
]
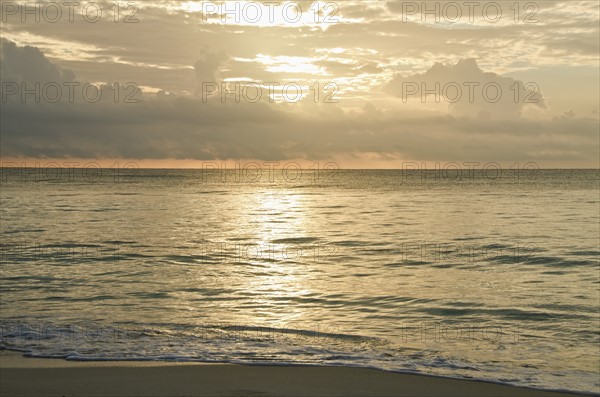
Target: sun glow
[{"x": 290, "y": 64}]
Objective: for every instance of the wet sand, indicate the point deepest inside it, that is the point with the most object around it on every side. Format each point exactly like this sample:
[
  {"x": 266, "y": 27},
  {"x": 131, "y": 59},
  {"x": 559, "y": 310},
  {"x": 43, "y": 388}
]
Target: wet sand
[{"x": 22, "y": 376}]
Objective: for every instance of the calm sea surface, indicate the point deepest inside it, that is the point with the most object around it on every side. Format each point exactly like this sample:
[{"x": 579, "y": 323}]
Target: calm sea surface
[{"x": 477, "y": 275}]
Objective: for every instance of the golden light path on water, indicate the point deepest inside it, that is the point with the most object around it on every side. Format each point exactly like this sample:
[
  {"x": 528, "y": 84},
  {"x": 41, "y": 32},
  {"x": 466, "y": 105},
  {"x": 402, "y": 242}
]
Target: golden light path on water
[{"x": 274, "y": 214}]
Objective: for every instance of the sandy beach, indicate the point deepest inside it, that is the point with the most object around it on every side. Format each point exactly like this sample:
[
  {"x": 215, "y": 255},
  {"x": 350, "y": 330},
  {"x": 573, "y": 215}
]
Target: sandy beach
[{"x": 22, "y": 376}]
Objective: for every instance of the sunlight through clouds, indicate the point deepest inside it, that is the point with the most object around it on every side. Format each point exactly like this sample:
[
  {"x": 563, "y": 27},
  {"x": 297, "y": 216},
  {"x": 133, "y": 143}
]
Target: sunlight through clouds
[{"x": 317, "y": 65}]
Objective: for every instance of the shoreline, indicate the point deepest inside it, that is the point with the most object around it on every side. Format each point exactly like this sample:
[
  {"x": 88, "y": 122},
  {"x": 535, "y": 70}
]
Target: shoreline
[{"x": 25, "y": 376}]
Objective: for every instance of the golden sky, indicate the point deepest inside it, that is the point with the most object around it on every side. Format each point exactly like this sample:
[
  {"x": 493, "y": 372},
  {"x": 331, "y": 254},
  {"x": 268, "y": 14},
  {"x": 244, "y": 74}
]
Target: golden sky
[{"x": 366, "y": 84}]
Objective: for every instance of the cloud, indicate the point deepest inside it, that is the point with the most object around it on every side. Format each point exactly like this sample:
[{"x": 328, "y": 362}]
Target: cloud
[
  {"x": 29, "y": 64},
  {"x": 468, "y": 90},
  {"x": 185, "y": 127},
  {"x": 208, "y": 66},
  {"x": 164, "y": 58},
  {"x": 29, "y": 76}
]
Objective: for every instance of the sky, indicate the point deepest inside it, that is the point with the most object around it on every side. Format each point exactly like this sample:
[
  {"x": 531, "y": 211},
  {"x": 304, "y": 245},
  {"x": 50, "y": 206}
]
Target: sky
[{"x": 364, "y": 84}]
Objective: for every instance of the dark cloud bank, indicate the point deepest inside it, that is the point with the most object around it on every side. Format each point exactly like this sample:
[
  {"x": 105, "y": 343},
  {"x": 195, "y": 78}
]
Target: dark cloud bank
[{"x": 169, "y": 127}]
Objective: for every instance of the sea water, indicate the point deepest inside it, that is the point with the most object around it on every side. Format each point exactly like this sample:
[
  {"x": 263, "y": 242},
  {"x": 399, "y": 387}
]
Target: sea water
[{"x": 484, "y": 275}]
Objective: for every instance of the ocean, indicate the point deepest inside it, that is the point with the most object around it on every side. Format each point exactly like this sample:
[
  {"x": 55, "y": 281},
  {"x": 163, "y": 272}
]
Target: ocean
[{"x": 484, "y": 274}]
